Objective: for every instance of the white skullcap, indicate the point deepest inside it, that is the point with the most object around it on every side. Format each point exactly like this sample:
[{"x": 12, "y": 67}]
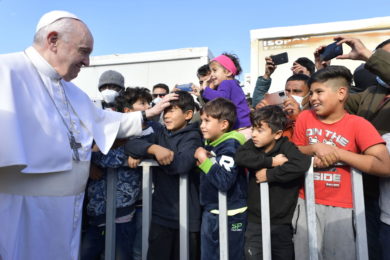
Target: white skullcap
[{"x": 53, "y": 16}]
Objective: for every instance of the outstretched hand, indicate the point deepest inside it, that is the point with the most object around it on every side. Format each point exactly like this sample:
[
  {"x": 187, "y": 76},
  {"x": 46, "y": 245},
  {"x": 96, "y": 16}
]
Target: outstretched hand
[
  {"x": 358, "y": 52},
  {"x": 320, "y": 64},
  {"x": 270, "y": 67},
  {"x": 160, "y": 106}
]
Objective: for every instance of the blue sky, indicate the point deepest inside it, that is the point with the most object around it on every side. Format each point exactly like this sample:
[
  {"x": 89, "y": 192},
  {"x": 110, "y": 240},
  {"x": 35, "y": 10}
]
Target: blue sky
[{"x": 128, "y": 26}]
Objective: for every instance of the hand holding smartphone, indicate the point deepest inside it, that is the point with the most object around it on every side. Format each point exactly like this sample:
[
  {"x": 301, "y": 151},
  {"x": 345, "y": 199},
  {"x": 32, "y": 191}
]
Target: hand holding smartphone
[
  {"x": 280, "y": 58},
  {"x": 185, "y": 87},
  {"x": 331, "y": 51},
  {"x": 276, "y": 98}
]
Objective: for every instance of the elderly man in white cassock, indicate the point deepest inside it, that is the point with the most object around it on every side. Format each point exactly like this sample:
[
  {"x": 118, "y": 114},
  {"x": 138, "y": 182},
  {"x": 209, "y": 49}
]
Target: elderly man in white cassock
[{"x": 47, "y": 129}]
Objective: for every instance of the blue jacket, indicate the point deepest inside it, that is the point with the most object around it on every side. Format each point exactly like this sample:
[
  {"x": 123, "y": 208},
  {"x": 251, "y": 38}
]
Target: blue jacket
[
  {"x": 128, "y": 186},
  {"x": 165, "y": 201},
  {"x": 220, "y": 172}
]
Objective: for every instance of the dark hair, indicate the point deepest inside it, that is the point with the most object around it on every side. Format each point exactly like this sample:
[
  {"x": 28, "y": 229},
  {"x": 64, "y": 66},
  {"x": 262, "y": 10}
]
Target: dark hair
[
  {"x": 273, "y": 115},
  {"x": 161, "y": 85},
  {"x": 235, "y": 60},
  {"x": 204, "y": 70},
  {"x": 129, "y": 96},
  {"x": 300, "y": 77},
  {"x": 363, "y": 79},
  {"x": 185, "y": 101},
  {"x": 221, "y": 109},
  {"x": 332, "y": 72},
  {"x": 307, "y": 63},
  {"x": 382, "y": 44}
]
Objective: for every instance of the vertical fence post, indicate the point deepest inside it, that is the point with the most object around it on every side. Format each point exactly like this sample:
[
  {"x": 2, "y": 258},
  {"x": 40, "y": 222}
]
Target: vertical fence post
[
  {"x": 311, "y": 213},
  {"x": 265, "y": 221},
  {"x": 146, "y": 203},
  {"x": 223, "y": 227},
  {"x": 359, "y": 215},
  {"x": 110, "y": 237},
  {"x": 183, "y": 217}
]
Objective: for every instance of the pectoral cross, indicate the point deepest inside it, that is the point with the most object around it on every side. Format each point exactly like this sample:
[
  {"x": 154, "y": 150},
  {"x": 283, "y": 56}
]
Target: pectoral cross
[{"x": 75, "y": 146}]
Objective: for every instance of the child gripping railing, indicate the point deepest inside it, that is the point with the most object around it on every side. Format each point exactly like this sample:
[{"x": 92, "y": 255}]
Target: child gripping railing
[{"x": 358, "y": 203}]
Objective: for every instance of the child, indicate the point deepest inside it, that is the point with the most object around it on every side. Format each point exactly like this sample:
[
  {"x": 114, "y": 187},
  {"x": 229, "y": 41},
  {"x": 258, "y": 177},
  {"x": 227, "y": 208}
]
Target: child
[
  {"x": 173, "y": 146},
  {"x": 332, "y": 135},
  {"x": 128, "y": 189},
  {"x": 220, "y": 173},
  {"x": 223, "y": 70},
  {"x": 272, "y": 158}
]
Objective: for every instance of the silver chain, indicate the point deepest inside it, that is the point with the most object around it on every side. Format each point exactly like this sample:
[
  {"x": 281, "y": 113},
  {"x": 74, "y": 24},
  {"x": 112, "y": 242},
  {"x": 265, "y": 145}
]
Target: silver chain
[{"x": 72, "y": 140}]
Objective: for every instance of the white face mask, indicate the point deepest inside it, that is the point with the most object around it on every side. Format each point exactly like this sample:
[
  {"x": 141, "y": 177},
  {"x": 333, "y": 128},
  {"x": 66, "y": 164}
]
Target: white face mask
[
  {"x": 109, "y": 95},
  {"x": 298, "y": 99}
]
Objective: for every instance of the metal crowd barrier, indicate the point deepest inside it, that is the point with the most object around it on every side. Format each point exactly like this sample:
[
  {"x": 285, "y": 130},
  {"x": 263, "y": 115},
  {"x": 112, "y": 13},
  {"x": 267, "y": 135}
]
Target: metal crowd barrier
[
  {"x": 223, "y": 227},
  {"x": 358, "y": 211},
  {"x": 311, "y": 212},
  {"x": 110, "y": 237},
  {"x": 147, "y": 214},
  {"x": 265, "y": 221},
  {"x": 358, "y": 200},
  {"x": 359, "y": 216}
]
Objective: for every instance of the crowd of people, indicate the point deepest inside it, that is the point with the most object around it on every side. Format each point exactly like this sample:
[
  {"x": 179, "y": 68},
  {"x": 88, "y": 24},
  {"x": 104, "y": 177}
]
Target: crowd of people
[{"x": 57, "y": 147}]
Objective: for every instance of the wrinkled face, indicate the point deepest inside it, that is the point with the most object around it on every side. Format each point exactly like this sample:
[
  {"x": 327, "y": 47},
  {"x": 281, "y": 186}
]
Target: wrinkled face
[
  {"x": 219, "y": 73},
  {"x": 175, "y": 119},
  {"x": 72, "y": 51},
  {"x": 324, "y": 99},
  {"x": 296, "y": 88},
  {"x": 211, "y": 127},
  {"x": 263, "y": 137},
  {"x": 140, "y": 105}
]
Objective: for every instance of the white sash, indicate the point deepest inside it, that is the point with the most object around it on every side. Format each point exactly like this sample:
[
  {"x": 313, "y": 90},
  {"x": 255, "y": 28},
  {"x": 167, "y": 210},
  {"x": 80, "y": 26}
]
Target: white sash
[{"x": 64, "y": 183}]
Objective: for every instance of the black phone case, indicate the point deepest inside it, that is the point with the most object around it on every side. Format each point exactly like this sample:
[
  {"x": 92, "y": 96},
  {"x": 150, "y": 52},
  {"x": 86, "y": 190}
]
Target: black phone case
[
  {"x": 280, "y": 58},
  {"x": 331, "y": 51}
]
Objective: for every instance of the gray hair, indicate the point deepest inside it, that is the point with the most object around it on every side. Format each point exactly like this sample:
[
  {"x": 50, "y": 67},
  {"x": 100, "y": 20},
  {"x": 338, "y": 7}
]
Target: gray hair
[{"x": 63, "y": 27}]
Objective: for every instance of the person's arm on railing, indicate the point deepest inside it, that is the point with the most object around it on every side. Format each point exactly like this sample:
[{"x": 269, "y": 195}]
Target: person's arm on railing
[
  {"x": 295, "y": 168},
  {"x": 221, "y": 170},
  {"x": 183, "y": 160},
  {"x": 113, "y": 159}
]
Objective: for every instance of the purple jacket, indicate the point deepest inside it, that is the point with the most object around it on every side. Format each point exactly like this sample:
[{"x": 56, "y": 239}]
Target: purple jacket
[{"x": 230, "y": 89}]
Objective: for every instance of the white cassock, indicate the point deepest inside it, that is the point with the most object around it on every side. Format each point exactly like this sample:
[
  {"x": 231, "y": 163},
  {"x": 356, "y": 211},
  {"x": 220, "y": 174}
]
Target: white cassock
[{"x": 41, "y": 186}]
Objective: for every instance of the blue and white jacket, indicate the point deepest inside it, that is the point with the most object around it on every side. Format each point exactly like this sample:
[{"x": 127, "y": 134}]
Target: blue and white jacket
[
  {"x": 128, "y": 185},
  {"x": 127, "y": 191},
  {"x": 221, "y": 173}
]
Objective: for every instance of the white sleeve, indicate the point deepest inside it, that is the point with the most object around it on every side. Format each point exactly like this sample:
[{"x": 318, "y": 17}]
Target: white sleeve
[{"x": 130, "y": 125}]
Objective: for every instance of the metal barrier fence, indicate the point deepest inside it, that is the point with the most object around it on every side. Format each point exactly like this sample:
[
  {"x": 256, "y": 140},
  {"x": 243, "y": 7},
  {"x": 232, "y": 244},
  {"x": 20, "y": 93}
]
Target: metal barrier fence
[
  {"x": 358, "y": 200},
  {"x": 358, "y": 214}
]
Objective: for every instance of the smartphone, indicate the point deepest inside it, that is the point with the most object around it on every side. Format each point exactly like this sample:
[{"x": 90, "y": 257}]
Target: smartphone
[
  {"x": 276, "y": 98},
  {"x": 280, "y": 58},
  {"x": 331, "y": 51},
  {"x": 185, "y": 87}
]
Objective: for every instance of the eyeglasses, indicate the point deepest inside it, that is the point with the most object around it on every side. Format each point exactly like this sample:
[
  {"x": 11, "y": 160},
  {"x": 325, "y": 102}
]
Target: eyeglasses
[{"x": 158, "y": 95}]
